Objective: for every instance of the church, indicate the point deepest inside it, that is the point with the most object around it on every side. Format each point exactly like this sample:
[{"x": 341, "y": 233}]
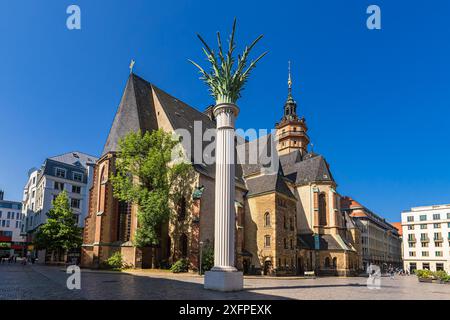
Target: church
[{"x": 287, "y": 222}]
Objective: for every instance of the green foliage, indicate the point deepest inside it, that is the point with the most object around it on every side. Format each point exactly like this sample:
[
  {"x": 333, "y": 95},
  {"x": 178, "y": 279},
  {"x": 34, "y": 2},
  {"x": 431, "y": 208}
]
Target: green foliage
[
  {"x": 115, "y": 261},
  {"x": 426, "y": 274},
  {"x": 225, "y": 81},
  {"x": 60, "y": 232},
  {"x": 147, "y": 176},
  {"x": 441, "y": 275},
  {"x": 180, "y": 266},
  {"x": 207, "y": 258}
]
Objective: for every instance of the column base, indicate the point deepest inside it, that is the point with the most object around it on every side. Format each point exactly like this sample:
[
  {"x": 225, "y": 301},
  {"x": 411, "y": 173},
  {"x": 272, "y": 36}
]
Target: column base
[{"x": 224, "y": 281}]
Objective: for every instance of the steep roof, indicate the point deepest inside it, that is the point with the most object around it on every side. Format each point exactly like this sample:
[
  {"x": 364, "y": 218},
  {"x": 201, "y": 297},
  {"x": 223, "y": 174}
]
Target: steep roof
[
  {"x": 267, "y": 183},
  {"x": 303, "y": 170},
  {"x": 136, "y": 112}
]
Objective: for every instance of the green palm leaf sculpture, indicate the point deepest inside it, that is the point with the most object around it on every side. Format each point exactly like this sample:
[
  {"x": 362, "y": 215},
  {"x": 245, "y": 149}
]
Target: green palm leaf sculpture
[{"x": 225, "y": 80}]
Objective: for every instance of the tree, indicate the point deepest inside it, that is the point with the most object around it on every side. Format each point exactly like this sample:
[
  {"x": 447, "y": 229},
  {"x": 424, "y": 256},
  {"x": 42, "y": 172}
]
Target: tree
[
  {"x": 60, "y": 233},
  {"x": 225, "y": 81},
  {"x": 147, "y": 176}
]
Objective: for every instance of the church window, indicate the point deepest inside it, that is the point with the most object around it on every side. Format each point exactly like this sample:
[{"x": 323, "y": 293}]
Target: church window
[
  {"x": 183, "y": 245},
  {"x": 334, "y": 262},
  {"x": 322, "y": 210},
  {"x": 124, "y": 221},
  {"x": 267, "y": 219},
  {"x": 292, "y": 244},
  {"x": 266, "y": 241},
  {"x": 327, "y": 262},
  {"x": 182, "y": 209}
]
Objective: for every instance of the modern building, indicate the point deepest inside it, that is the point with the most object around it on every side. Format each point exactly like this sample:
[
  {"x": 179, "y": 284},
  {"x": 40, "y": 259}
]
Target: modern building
[
  {"x": 380, "y": 240},
  {"x": 288, "y": 220},
  {"x": 426, "y": 238},
  {"x": 12, "y": 243},
  {"x": 71, "y": 172}
]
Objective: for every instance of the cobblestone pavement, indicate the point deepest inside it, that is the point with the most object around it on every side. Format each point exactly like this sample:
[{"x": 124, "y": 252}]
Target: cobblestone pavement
[{"x": 45, "y": 282}]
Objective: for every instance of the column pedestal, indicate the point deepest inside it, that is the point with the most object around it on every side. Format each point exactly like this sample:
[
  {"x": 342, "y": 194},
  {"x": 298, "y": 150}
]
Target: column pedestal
[{"x": 224, "y": 276}]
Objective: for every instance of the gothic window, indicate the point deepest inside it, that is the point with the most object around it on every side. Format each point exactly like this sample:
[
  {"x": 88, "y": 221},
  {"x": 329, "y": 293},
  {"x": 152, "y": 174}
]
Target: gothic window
[
  {"x": 291, "y": 224},
  {"x": 101, "y": 191},
  {"x": 266, "y": 241},
  {"x": 124, "y": 221},
  {"x": 267, "y": 219},
  {"x": 285, "y": 222},
  {"x": 182, "y": 209},
  {"x": 327, "y": 262},
  {"x": 334, "y": 262},
  {"x": 183, "y": 245},
  {"x": 322, "y": 210}
]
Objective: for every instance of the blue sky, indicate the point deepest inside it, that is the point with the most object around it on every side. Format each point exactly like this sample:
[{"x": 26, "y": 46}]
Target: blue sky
[{"x": 376, "y": 102}]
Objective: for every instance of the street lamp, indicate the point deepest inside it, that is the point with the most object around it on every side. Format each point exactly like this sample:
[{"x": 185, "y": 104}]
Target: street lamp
[{"x": 200, "y": 262}]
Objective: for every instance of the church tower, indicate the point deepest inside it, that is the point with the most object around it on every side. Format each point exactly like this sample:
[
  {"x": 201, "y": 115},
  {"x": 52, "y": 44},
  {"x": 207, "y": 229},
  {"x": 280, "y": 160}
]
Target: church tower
[{"x": 291, "y": 130}]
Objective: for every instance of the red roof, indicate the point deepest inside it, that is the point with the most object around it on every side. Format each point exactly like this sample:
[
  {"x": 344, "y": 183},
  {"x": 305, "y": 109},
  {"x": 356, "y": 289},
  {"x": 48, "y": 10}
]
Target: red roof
[{"x": 398, "y": 226}]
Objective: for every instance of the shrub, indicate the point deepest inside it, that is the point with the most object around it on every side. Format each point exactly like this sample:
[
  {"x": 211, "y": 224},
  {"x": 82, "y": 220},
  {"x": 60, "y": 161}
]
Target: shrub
[
  {"x": 207, "y": 258},
  {"x": 179, "y": 266},
  {"x": 115, "y": 261},
  {"x": 441, "y": 275},
  {"x": 427, "y": 274}
]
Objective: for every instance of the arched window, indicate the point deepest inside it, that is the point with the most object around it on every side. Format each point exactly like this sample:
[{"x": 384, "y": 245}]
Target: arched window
[
  {"x": 284, "y": 222},
  {"x": 327, "y": 262},
  {"x": 266, "y": 241},
  {"x": 334, "y": 262},
  {"x": 285, "y": 243},
  {"x": 267, "y": 219},
  {"x": 101, "y": 191},
  {"x": 322, "y": 210},
  {"x": 183, "y": 245},
  {"x": 181, "y": 209}
]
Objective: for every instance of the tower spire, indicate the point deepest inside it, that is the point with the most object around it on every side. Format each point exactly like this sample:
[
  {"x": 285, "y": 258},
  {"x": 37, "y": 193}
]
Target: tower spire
[{"x": 289, "y": 79}]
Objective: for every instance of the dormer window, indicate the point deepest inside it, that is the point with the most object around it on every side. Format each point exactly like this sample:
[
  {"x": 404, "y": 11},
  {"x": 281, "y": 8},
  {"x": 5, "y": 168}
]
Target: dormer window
[
  {"x": 78, "y": 176},
  {"x": 60, "y": 173}
]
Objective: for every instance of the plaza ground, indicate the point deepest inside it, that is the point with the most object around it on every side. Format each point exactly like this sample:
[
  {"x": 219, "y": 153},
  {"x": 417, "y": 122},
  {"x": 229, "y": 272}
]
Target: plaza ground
[{"x": 19, "y": 282}]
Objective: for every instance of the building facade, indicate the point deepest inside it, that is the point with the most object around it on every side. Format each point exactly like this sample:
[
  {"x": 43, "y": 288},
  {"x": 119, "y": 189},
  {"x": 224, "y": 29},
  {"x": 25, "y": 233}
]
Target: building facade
[
  {"x": 426, "y": 238},
  {"x": 288, "y": 219},
  {"x": 70, "y": 172},
  {"x": 12, "y": 243},
  {"x": 380, "y": 240}
]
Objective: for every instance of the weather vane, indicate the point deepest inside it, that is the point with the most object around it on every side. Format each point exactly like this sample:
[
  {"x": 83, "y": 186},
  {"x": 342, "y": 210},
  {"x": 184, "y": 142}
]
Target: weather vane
[{"x": 132, "y": 65}]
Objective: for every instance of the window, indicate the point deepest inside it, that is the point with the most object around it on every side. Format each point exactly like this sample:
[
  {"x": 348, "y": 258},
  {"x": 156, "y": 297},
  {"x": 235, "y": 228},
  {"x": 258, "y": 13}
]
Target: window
[
  {"x": 424, "y": 253},
  {"x": 424, "y": 244},
  {"x": 322, "y": 210},
  {"x": 267, "y": 241},
  {"x": 439, "y": 266},
  {"x": 426, "y": 266},
  {"x": 436, "y": 225},
  {"x": 17, "y": 224},
  {"x": 411, "y": 238},
  {"x": 291, "y": 224},
  {"x": 412, "y": 244},
  {"x": 17, "y": 215},
  {"x": 438, "y": 253},
  {"x": 438, "y": 244},
  {"x": 410, "y": 218},
  {"x": 184, "y": 245},
  {"x": 423, "y": 226},
  {"x": 327, "y": 262},
  {"x": 267, "y": 219},
  {"x": 437, "y": 236},
  {"x": 76, "y": 189},
  {"x": 0, "y": 214},
  {"x": 3, "y": 223},
  {"x": 448, "y": 215},
  {"x": 61, "y": 173},
  {"x": 59, "y": 185},
  {"x": 285, "y": 243},
  {"x": 423, "y": 217},
  {"x": 7, "y": 223},
  {"x": 285, "y": 222},
  {"x": 411, "y": 227},
  {"x": 8, "y": 216},
  {"x": 77, "y": 176},
  {"x": 181, "y": 209},
  {"x": 423, "y": 237},
  {"x": 292, "y": 244},
  {"x": 75, "y": 203},
  {"x": 436, "y": 216}
]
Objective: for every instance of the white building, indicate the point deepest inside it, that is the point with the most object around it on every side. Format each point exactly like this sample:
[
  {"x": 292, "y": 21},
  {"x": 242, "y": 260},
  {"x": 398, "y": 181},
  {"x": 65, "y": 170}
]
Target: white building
[
  {"x": 426, "y": 238},
  {"x": 71, "y": 172},
  {"x": 11, "y": 241}
]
